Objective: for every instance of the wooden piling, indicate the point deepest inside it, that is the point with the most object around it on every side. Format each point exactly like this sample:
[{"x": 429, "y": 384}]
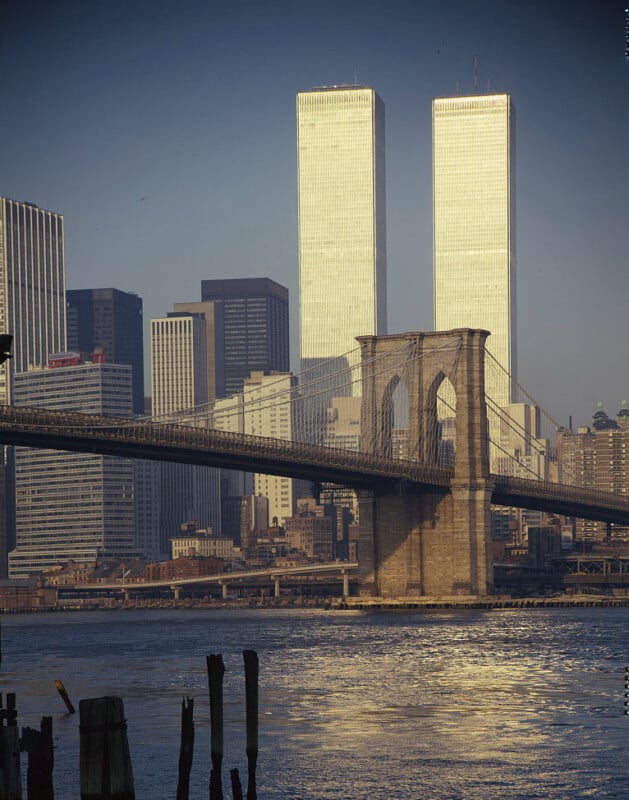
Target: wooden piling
[
  {"x": 250, "y": 657},
  {"x": 38, "y": 745},
  {"x": 215, "y": 671},
  {"x": 236, "y": 786},
  {"x": 10, "y": 776},
  {"x": 106, "y": 772},
  {"x": 64, "y": 696},
  {"x": 186, "y": 749}
]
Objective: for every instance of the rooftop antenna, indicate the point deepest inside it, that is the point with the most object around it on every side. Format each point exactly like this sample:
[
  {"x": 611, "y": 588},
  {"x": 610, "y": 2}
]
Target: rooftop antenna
[{"x": 475, "y": 74}]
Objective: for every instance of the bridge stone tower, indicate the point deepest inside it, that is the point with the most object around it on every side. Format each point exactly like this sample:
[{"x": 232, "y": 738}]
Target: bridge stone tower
[{"x": 427, "y": 543}]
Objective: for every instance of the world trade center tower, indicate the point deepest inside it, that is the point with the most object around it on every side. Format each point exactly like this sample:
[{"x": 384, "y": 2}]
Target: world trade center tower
[
  {"x": 474, "y": 211},
  {"x": 342, "y": 238}
]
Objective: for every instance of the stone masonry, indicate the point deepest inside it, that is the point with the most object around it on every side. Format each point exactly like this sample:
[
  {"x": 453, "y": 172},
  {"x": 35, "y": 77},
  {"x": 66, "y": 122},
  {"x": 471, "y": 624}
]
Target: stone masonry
[{"x": 427, "y": 544}]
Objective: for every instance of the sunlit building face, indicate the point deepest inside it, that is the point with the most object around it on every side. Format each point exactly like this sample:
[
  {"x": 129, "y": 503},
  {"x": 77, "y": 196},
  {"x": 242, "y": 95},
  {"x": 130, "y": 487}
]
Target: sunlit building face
[
  {"x": 474, "y": 244},
  {"x": 342, "y": 247}
]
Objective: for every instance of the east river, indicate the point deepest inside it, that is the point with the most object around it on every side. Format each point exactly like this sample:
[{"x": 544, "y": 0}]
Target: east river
[{"x": 474, "y": 704}]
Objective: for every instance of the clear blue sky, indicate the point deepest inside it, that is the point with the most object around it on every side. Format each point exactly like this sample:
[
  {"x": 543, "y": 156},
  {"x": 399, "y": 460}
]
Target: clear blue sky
[{"x": 164, "y": 132}]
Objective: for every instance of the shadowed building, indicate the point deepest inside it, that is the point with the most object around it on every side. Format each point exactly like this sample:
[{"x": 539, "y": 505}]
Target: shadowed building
[
  {"x": 110, "y": 320},
  {"x": 255, "y": 326}
]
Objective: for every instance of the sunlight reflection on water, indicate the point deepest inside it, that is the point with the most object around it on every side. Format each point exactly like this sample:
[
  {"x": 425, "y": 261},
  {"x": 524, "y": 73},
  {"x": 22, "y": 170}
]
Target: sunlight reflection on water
[{"x": 513, "y": 704}]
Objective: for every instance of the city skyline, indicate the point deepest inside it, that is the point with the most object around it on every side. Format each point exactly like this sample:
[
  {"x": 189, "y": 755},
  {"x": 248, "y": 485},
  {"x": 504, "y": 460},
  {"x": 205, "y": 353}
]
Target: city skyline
[{"x": 165, "y": 177}]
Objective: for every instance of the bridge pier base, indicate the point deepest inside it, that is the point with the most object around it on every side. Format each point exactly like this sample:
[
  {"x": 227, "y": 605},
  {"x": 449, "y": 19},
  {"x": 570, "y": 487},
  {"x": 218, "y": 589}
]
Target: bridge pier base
[
  {"x": 431, "y": 545},
  {"x": 176, "y": 592},
  {"x": 345, "y": 583},
  {"x": 276, "y": 582}
]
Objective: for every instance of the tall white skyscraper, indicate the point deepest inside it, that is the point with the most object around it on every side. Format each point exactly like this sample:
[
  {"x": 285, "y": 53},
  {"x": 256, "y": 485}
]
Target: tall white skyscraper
[
  {"x": 179, "y": 383},
  {"x": 32, "y": 287},
  {"x": 33, "y": 309},
  {"x": 474, "y": 213},
  {"x": 342, "y": 227}
]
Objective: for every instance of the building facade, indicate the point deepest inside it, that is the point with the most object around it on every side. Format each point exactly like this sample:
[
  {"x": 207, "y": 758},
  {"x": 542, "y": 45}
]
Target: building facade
[
  {"x": 473, "y": 226},
  {"x": 32, "y": 308},
  {"x": 597, "y": 456},
  {"x": 269, "y": 411},
  {"x": 110, "y": 320},
  {"x": 255, "y": 326},
  {"x": 179, "y": 385},
  {"x": 72, "y": 506},
  {"x": 342, "y": 222}
]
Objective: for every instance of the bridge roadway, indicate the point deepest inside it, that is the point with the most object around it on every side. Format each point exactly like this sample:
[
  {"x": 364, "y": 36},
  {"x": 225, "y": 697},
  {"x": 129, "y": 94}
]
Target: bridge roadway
[{"x": 131, "y": 438}]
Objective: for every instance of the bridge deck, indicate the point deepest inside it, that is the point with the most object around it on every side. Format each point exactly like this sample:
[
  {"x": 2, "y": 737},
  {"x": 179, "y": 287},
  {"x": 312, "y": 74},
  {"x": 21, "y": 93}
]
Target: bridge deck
[{"x": 208, "y": 447}]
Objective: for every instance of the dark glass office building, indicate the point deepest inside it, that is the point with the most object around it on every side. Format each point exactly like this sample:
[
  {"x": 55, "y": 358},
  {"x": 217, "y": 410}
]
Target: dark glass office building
[
  {"x": 255, "y": 315},
  {"x": 111, "y": 320}
]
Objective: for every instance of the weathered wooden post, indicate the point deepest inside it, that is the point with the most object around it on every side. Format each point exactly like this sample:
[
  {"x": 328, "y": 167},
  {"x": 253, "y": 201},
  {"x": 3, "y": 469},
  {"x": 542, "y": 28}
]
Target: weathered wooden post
[
  {"x": 10, "y": 776},
  {"x": 64, "y": 696},
  {"x": 250, "y": 658},
  {"x": 215, "y": 671},
  {"x": 38, "y": 745},
  {"x": 106, "y": 772},
  {"x": 236, "y": 785},
  {"x": 186, "y": 749}
]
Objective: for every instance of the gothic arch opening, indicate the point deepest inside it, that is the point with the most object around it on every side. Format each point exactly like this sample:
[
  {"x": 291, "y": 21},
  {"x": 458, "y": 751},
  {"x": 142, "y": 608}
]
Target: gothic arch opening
[
  {"x": 443, "y": 396},
  {"x": 394, "y": 428}
]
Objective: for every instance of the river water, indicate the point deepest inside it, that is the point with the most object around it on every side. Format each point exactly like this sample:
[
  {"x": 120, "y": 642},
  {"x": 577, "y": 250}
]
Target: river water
[{"x": 474, "y": 704}]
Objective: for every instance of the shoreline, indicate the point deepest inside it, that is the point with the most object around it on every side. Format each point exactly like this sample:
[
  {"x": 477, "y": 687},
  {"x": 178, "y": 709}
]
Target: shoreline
[{"x": 335, "y": 604}]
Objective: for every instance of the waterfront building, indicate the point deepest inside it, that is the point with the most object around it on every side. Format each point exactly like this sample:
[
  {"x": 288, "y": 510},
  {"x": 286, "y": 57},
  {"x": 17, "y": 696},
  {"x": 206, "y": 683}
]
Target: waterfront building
[
  {"x": 32, "y": 308},
  {"x": 597, "y": 456},
  {"x": 474, "y": 232},
  {"x": 254, "y": 314},
  {"x": 109, "y": 320},
  {"x": 199, "y": 543},
  {"x": 312, "y": 531},
  {"x": 342, "y": 223},
  {"x": 72, "y": 506},
  {"x": 179, "y": 385}
]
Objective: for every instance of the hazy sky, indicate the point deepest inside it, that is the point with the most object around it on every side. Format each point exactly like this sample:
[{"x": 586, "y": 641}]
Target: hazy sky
[{"x": 164, "y": 131}]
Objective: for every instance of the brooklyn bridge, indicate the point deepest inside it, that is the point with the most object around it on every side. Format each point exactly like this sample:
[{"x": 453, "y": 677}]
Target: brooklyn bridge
[{"x": 425, "y": 508}]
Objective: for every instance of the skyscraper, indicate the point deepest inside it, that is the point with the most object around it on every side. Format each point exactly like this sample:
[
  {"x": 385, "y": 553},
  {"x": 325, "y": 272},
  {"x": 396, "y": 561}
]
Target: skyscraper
[
  {"x": 32, "y": 287},
  {"x": 72, "y": 505},
  {"x": 32, "y": 308},
  {"x": 111, "y": 320},
  {"x": 342, "y": 228},
  {"x": 255, "y": 320},
  {"x": 179, "y": 383},
  {"x": 265, "y": 414},
  {"x": 474, "y": 213}
]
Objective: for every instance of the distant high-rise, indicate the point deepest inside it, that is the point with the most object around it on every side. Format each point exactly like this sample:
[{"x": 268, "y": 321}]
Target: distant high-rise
[
  {"x": 179, "y": 383},
  {"x": 265, "y": 414},
  {"x": 255, "y": 320},
  {"x": 215, "y": 343},
  {"x": 474, "y": 213},
  {"x": 33, "y": 309},
  {"x": 77, "y": 506},
  {"x": 342, "y": 227},
  {"x": 111, "y": 320}
]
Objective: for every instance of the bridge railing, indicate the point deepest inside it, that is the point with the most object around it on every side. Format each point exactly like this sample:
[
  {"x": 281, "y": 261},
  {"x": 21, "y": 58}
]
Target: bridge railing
[
  {"x": 534, "y": 488},
  {"x": 122, "y": 429}
]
